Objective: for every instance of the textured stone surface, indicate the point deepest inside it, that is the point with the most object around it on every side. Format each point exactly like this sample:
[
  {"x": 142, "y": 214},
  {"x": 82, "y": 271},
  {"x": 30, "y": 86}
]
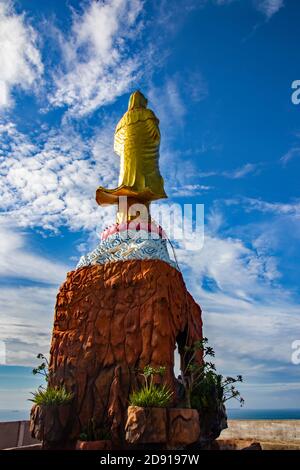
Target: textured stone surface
[
  {"x": 111, "y": 320},
  {"x": 183, "y": 427},
  {"x": 146, "y": 425},
  {"x": 174, "y": 427},
  {"x": 50, "y": 424},
  {"x": 213, "y": 422}
]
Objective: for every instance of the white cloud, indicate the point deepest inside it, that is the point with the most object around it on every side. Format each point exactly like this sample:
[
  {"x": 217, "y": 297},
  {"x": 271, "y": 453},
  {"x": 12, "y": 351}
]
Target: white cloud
[
  {"x": 26, "y": 312},
  {"x": 253, "y": 338},
  {"x": 235, "y": 269},
  {"x": 17, "y": 261},
  {"x": 279, "y": 395},
  {"x": 175, "y": 104},
  {"x": 249, "y": 318},
  {"x": 52, "y": 182},
  {"x": 269, "y": 7},
  {"x": 236, "y": 173},
  {"x": 189, "y": 190},
  {"x": 98, "y": 65},
  {"x": 277, "y": 208},
  {"x": 241, "y": 172},
  {"x": 190, "y": 181},
  {"x": 26, "y": 318},
  {"x": 290, "y": 155},
  {"x": 215, "y": 221},
  {"x": 20, "y": 59},
  {"x": 170, "y": 98}
]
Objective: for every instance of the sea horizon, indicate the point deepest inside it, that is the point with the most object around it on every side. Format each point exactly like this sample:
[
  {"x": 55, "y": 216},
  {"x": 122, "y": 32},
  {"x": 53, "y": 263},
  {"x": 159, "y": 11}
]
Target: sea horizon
[{"x": 232, "y": 413}]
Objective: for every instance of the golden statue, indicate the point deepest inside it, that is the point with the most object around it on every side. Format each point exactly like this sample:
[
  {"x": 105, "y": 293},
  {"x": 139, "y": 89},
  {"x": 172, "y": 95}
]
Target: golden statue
[{"x": 137, "y": 140}]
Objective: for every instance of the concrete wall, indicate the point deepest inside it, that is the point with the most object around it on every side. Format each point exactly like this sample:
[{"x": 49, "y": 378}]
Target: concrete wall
[
  {"x": 15, "y": 434},
  {"x": 263, "y": 430}
]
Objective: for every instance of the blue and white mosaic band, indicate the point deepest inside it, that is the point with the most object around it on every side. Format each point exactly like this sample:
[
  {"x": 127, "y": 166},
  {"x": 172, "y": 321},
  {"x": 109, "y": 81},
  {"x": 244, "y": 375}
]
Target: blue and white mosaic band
[{"x": 128, "y": 245}]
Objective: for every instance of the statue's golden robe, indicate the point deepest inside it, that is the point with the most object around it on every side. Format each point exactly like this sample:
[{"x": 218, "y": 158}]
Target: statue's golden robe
[{"x": 137, "y": 140}]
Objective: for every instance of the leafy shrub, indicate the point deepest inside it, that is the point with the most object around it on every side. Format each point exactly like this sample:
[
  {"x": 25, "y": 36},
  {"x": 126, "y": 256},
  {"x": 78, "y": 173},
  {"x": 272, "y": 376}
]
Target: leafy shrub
[
  {"x": 151, "y": 395},
  {"x": 203, "y": 385},
  {"x": 52, "y": 396}
]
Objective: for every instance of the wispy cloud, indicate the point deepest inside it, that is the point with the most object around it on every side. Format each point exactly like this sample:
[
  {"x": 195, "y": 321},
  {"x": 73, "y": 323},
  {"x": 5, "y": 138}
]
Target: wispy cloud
[
  {"x": 249, "y": 318},
  {"x": 171, "y": 97},
  {"x": 241, "y": 172},
  {"x": 26, "y": 319},
  {"x": 269, "y": 7},
  {"x": 279, "y": 208},
  {"x": 50, "y": 181},
  {"x": 20, "y": 59},
  {"x": 187, "y": 180},
  {"x": 189, "y": 190},
  {"x": 97, "y": 64},
  {"x": 17, "y": 261},
  {"x": 290, "y": 155},
  {"x": 235, "y": 268},
  {"x": 26, "y": 313},
  {"x": 170, "y": 103}
]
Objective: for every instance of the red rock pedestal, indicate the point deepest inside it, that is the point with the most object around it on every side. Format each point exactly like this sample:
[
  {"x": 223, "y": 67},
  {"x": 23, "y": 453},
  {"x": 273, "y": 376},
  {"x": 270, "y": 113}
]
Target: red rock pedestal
[
  {"x": 111, "y": 320},
  {"x": 173, "y": 427},
  {"x": 146, "y": 425},
  {"x": 51, "y": 424},
  {"x": 183, "y": 427}
]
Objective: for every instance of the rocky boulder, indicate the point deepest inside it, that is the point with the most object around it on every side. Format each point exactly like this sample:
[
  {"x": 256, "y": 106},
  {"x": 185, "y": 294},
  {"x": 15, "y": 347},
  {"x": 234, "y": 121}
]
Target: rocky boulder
[{"x": 110, "y": 321}]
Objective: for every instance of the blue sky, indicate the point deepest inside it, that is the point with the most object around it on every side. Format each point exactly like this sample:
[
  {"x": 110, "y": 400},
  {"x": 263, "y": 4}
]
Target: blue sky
[{"x": 218, "y": 75}]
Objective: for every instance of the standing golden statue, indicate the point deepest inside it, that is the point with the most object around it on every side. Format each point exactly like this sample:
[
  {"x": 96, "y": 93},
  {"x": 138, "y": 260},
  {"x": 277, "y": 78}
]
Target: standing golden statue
[{"x": 137, "y": 140}]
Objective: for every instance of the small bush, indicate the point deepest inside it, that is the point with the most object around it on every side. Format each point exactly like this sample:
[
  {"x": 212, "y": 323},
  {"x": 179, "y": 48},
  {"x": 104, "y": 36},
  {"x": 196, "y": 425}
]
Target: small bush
[
  {"x": 151, "y": 396},
  {"x": 52, "y": 396},
  {"x": 204, "y": 388}
]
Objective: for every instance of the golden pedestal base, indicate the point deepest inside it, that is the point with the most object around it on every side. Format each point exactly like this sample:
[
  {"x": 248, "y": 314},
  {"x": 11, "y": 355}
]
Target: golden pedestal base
[{"x": 131, "y": 204}]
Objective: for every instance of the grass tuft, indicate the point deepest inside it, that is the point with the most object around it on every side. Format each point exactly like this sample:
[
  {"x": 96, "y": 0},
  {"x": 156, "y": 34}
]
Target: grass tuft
[
  {"x": 52, "y": 396},
  {"x": 152, "y": 396}
]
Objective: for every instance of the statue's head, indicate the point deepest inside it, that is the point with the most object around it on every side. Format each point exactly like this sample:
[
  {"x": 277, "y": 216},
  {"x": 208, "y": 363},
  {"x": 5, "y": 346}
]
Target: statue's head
[{"x": 137, "y": 100}]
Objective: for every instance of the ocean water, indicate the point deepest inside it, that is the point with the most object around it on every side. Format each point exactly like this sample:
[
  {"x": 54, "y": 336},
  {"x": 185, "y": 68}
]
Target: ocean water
[
  {"x": 236, "y": 413},
  {"x": 244, "y": 413},
  {"x": 14, "y": 415}
]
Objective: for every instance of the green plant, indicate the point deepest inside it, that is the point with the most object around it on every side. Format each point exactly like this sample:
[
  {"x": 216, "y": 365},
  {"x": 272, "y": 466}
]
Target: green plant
[
  {"x": 52, "y": 396},
  {"x": 43, "y": 368},
  {"x": 203, "y": 386},
  {"x": 94, "y": 432},
  {"x": 49, "y": 395},
  {"x": 151, "y": 395}
]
